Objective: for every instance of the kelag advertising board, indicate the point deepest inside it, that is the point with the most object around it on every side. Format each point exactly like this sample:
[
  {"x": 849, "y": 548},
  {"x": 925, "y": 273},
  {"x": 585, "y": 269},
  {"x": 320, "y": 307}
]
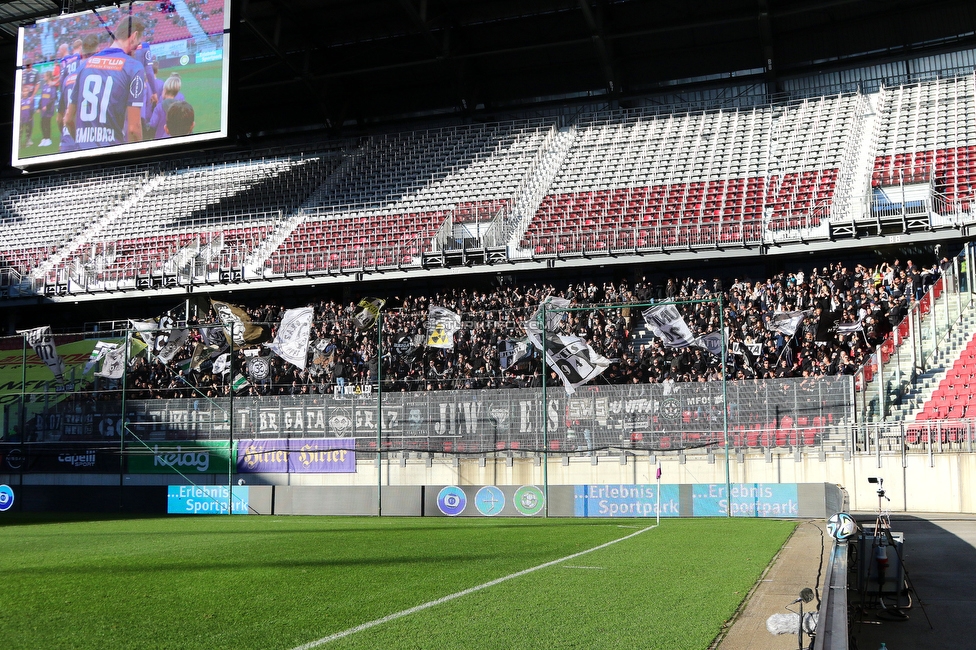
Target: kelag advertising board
[{"x": 186, "y": 458}]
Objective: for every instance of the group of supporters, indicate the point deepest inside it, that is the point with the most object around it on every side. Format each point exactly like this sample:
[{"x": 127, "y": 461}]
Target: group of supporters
[
  {"x": 101, "y": 92},
  {"x": 842, "y": 314}
]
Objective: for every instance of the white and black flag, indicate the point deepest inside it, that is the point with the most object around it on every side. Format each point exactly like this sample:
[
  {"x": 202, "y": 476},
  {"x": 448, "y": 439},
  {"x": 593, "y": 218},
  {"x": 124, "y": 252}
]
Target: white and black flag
[
  {"x": 41, "y": 340},
  {"x": 291, "y": 341},
  {"x": 570, "y": 357},
  {"x": 113, "y": 362},
  {"x": 442, "y": 324},
  {"x": 711, "y": 342},
  {"x": 511, "y": 353},
  {"x": 786, "y": 322},
  {"x": 259, "y": 369},
  {"x": 174, "y": 343},
  {"x": 667, "y": 324},
  {"x": 553, "y": 318},
  {"x": 849, "y": 328}
]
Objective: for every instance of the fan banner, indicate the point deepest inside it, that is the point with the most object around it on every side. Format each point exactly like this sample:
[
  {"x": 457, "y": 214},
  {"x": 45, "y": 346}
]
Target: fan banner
[
  {"x": 41, "y": 341},
  {"x": 97, "y": 354},
  {"x": 511, "y": 352},
  {"x": 667, "y": 324},
  {"x": 221, "y": 364},
  {"x": 369, "y": 311},
  {"x": 441, "y": 326},
  {"x": 236, "y": 320},
  {"x": 297, "y": 455},
  {"x": 258, "y": 369},
  {"x": 786, "y": 322},
  {"x": 113, "y": 362},
  {"x": 291, "y": 341},
  {"x": 176, "y": 341},
  {"x": 553, "y": 318},
  {"x": 849, "y": 328},
  {"x": 711, "y": 342},
  {"x": 570, "y": 357}
]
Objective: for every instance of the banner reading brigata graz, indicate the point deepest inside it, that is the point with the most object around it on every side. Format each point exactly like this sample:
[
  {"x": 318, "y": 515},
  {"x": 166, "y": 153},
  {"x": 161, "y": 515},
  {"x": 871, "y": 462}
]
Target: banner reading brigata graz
[
  {"x": 651, "y": 416},
  {"x": 297, "y": 455},
  {"x": 187, "y": 458}
]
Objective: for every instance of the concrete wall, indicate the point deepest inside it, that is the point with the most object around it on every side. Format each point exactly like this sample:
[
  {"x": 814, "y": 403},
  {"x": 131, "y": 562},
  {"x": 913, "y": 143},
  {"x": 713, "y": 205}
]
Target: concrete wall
[{"x": 915, "y": 483}]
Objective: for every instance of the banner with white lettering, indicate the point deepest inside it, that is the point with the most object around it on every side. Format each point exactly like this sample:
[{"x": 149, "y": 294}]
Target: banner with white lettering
[
  {"x": 667, "y": 324},
  {"x": 42, "y": 342},
  {"x": 570, "y": 357}
]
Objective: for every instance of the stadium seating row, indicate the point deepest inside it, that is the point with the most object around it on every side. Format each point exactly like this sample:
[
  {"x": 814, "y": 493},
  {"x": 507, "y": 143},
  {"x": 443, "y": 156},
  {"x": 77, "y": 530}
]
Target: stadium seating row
[{"x": 628, "y": 180}]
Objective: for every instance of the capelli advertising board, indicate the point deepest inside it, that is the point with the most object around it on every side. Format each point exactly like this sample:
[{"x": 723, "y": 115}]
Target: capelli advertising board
[{"x": 59, "y": 458}]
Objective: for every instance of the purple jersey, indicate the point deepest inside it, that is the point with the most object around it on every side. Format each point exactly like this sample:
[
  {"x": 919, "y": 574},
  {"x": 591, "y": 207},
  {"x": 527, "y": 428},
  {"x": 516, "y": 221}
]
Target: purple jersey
[
  {"x": 49, "y": 100},
  {"x": 145, "y": 56},
  {"x": 26, "y": 110},
  {"x": 107, "y": 85},
  {"x": 69, "y": 71}
]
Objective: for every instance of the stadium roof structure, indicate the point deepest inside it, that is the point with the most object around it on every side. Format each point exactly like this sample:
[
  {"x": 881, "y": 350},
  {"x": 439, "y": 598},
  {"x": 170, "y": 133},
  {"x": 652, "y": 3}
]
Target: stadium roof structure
[{"x": 349, "y": 64}]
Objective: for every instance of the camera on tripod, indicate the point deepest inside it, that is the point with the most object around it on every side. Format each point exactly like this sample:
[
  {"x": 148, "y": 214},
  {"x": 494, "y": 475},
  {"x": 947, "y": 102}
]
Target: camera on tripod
[{"x": 880, "y": 483}]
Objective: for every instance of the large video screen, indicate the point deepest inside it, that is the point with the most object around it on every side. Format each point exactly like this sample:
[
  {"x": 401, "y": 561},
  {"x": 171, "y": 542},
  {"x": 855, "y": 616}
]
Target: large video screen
[{"x": 119, "y": 79}]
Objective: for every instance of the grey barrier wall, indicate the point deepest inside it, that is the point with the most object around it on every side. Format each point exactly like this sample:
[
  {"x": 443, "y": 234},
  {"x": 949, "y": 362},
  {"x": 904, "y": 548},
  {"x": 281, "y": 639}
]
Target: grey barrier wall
[
  {"x": 814, "y": 500},
  {"x": 642, "y": 416}
]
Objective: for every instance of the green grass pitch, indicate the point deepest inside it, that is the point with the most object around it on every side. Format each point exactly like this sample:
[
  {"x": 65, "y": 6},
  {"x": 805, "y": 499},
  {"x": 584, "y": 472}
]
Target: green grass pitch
[{"x": 287, "y": 582}]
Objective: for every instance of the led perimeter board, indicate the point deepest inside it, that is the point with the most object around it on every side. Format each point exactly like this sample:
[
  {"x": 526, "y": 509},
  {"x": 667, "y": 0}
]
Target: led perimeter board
[{"x": 92, "y": 83}]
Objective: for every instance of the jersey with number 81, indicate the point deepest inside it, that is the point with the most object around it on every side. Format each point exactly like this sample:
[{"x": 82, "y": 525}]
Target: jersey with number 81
[{"x": 107, "y": 85}]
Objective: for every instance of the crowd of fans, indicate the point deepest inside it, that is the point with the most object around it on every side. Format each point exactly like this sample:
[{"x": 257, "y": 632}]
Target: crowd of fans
[{"x": 343, "y": 355}]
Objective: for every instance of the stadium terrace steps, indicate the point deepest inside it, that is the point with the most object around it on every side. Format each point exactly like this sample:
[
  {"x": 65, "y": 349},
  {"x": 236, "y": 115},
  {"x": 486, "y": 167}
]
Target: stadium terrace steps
[{"x": 910, "y": 402}]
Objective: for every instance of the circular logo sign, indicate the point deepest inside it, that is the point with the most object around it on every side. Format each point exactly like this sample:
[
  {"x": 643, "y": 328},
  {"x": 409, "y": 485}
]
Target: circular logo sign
[
  {"x": 489, "y": 501},
  {"x": 451, "y": 500},
  {"x": 184, "y": 60},
  {"x": 529, "y": 500},
  {"x": 15, "y": 459},
  {"x": 671, "y": 408},
  {"x": 6, "y": 497}
]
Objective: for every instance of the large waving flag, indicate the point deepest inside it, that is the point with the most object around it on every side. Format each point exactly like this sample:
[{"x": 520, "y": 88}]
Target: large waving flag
[
  {"x": 113, "y": 362},
  {"x": 553, "y": 318},
  {"x": 237, "y": 320},
  {"x": 668, "y": 325},
  {"x": 291, "y": 341},
  {"x": 786, "y": 322},
  {"x": 442, "y": 324},
  {"x": 369, "y": 311},
  {"x": 570, "y": 357},
  {"x": 41, "y": 340}
]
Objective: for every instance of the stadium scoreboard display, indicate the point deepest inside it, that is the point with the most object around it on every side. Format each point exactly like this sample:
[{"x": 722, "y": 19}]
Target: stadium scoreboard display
[{"x": 121, "y": 79}]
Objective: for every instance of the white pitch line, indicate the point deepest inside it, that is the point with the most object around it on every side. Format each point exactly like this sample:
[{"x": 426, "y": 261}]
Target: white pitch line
[{"x": 459, "y": 594}]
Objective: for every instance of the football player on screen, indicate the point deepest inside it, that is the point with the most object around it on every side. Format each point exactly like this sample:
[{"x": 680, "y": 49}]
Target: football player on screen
[{"x": 105, "y": 104}]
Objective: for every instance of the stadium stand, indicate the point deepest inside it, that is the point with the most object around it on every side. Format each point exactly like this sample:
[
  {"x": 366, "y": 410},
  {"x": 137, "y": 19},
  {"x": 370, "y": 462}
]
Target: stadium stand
[
  {"x": 927, "y": 143},
  {"x": 634, "y": 181},
  {"x": 399, "y": 194}
]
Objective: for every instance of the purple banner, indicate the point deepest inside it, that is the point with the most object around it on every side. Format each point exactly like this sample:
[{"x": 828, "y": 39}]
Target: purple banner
[{"x": 297, "y": 455}]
